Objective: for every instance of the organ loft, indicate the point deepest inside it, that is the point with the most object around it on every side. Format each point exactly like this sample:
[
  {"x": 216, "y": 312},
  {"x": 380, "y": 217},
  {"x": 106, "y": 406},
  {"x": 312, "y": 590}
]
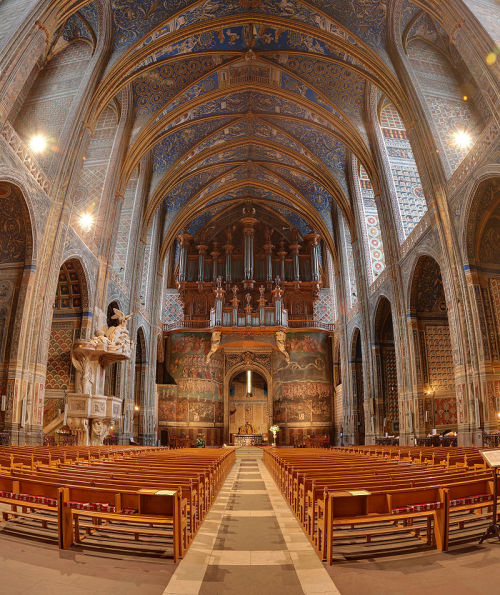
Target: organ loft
[{"x": 250, "y": 259}]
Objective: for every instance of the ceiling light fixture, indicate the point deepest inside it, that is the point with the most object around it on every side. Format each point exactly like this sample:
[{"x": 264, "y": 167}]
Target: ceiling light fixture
[
  {"x": 86, "y": 221},
  {"x": 462, "y": 139},
  {"x": 38, "y": 143}
]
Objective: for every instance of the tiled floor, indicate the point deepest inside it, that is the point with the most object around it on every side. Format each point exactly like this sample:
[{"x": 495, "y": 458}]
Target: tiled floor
[{"x": 250, "y": 543}]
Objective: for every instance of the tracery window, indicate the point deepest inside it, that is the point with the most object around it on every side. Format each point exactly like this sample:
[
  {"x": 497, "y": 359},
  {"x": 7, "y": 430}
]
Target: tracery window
[{"x": 411, "y": 204}]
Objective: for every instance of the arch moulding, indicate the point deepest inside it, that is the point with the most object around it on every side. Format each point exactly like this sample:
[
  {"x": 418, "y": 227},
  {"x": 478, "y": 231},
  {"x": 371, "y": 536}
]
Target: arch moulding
[{"x": 246, "y": 360}]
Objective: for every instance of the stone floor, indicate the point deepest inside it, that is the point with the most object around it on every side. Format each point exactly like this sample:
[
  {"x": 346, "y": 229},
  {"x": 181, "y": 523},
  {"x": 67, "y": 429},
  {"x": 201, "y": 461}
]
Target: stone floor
[{"x": 250, "y": 543}]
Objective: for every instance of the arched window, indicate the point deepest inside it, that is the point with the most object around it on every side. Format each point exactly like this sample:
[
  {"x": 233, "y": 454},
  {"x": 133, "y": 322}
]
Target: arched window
[{"x": 411, "y": 204}]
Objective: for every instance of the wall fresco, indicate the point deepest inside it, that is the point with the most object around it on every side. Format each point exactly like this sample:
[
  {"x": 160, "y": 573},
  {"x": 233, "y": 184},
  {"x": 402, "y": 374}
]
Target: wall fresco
[
  {"x": 198, "y": 393},
  {"x": 303, "y": 388}
]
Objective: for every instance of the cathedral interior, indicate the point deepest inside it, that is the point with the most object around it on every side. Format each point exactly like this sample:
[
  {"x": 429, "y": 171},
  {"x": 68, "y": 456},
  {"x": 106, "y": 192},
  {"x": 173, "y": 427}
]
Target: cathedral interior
[{"x": 218, "y": 216}]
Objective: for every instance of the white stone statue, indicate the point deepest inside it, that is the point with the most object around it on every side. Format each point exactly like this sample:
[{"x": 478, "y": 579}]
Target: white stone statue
[
  {"x": 79, "y": 427},
  {"x": 99, "y": 431},
  {"x": 119, "y": 338},
  {"x": 281, "y": 344},
  {"x": 100, "y": 340},
  {"x": 85, "y": 373},
  {"x": 216, "y": 338}
]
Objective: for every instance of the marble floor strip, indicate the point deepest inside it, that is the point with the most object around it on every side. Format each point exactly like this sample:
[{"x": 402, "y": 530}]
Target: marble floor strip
[{"x": 250, "y": 542}]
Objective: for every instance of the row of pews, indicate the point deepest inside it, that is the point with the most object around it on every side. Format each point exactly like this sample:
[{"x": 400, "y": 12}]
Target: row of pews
[
  {"x": 378, "y": 495},
  {"x": 121, "y": 493}
]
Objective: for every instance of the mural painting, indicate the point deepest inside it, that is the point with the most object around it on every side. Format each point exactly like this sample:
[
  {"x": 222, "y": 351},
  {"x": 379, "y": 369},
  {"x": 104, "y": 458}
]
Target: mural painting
[
  {"x": 196, "y": 397},
  {"x": 303, "y": 388}
]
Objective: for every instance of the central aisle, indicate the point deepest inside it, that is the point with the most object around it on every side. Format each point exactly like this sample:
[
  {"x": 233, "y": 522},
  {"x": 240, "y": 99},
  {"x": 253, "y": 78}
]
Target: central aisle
[{"x": 250, "y": 542}]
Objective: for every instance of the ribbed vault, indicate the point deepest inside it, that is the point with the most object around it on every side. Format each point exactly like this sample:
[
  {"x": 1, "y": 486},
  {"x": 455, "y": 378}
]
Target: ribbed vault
[{"x": 248, "y": 99}]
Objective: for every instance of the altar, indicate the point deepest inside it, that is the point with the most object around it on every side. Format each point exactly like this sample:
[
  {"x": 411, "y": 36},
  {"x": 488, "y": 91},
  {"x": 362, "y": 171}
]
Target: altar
[{"x": 247, "y": 439}]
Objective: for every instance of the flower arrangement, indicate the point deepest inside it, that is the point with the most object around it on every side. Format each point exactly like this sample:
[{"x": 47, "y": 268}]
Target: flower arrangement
[{"x": 274, "y": 429}]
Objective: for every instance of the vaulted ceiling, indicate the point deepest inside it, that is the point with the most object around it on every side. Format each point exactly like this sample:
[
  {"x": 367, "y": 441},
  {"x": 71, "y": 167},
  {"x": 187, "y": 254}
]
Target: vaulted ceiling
[{"x": 238, "y": 99}]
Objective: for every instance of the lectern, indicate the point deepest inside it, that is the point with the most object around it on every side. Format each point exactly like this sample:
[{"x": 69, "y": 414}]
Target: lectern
[{"x": 492, "y": 459}]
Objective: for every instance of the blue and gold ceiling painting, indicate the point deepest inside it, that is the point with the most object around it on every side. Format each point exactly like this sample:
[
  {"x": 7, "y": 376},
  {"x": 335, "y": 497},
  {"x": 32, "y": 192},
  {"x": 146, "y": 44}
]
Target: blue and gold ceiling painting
[{"x": 239, "y": 100}]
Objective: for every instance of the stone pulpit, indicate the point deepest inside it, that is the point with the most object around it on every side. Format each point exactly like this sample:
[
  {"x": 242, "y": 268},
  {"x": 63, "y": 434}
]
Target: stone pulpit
[{"x": 91, "y": 413}]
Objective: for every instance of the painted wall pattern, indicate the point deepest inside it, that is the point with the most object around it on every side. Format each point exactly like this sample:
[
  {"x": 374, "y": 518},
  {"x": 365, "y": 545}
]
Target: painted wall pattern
[
  {"x": 372, "y": 224},
  {"x": 50, "y": 98},
  {"x": 59, "y": 367},
  {"x": 440, "y": 358},
  {"x": 494, "y": 284},
  {"x": 173, "y": 308},
  {"x": 126, "y": 228},
  {"x": 444, "y": 98},
  {"x": 88, "y": 194},
  {"x": 324, "y": 307}
]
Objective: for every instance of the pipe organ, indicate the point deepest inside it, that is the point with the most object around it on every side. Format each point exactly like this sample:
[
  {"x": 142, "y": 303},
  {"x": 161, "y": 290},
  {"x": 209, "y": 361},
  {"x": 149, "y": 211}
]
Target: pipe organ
[{"x": 248, "y": 273}]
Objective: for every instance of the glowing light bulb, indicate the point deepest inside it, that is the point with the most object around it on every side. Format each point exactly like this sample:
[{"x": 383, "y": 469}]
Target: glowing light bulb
[
  {"x": 136, "y": 408},
  {"x": 462, "y": 139},
  {"x": 38, "y": 143},
  {"x": 491, "y": 58},
  {"x": 86, "y": 221}
]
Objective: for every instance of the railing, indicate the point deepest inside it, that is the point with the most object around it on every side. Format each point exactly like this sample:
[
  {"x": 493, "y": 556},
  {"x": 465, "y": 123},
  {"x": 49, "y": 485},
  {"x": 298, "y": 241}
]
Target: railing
[
  {"x": 326, "y": 326},
  {"x": 437, "y": 441},
  {"x": 491, "y": 440},
  {"x": 59, "y": 440},
  {"x": 253, "y": 320},
  {"x": 180, "y": 324}
]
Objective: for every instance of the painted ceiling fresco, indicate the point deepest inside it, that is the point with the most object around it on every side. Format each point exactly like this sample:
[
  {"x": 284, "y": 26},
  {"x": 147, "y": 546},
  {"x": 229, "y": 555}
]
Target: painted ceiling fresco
[{"x": 248, "y": 98}]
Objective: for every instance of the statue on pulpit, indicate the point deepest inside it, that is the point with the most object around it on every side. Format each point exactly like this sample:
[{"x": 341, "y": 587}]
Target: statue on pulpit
[
  {"x": 246, "y": 429},
  {"x": 85, "y": 373},
  {"x": 119, "y": 338}
]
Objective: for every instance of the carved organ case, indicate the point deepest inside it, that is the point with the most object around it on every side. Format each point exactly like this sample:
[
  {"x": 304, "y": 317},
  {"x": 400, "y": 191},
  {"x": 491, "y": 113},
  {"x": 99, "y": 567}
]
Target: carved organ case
[{"x": 242, "y": 255}]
